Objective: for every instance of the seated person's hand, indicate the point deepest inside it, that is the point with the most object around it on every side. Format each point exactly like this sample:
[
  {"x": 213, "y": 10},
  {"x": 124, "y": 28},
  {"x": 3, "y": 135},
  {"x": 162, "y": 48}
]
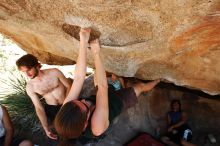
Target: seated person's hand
[{"x": 170, "y": 129}]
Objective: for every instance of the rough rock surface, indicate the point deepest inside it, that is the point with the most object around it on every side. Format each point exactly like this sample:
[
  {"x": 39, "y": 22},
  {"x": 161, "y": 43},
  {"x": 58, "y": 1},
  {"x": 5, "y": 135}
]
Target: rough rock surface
[{"x": 178, "y": 41}]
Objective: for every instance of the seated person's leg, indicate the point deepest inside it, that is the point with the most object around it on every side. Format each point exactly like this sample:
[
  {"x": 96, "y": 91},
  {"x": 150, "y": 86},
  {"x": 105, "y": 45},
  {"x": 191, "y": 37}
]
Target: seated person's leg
[
  {"x": 171, "y": 139},
  {"x": 165, "y": 139},
  {"x": 186, "y": 143},
  {"x": 170, "y": 143},
  {"x": 186, "y": 136}
]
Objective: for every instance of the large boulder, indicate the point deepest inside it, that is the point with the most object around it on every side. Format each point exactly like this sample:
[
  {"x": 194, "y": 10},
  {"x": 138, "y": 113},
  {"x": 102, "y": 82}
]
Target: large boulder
[{"x": 178, "y": 40}]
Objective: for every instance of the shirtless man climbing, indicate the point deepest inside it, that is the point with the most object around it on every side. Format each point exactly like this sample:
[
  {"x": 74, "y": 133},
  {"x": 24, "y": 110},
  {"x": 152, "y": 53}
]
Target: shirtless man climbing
[{"x": 51, "y": 84}]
